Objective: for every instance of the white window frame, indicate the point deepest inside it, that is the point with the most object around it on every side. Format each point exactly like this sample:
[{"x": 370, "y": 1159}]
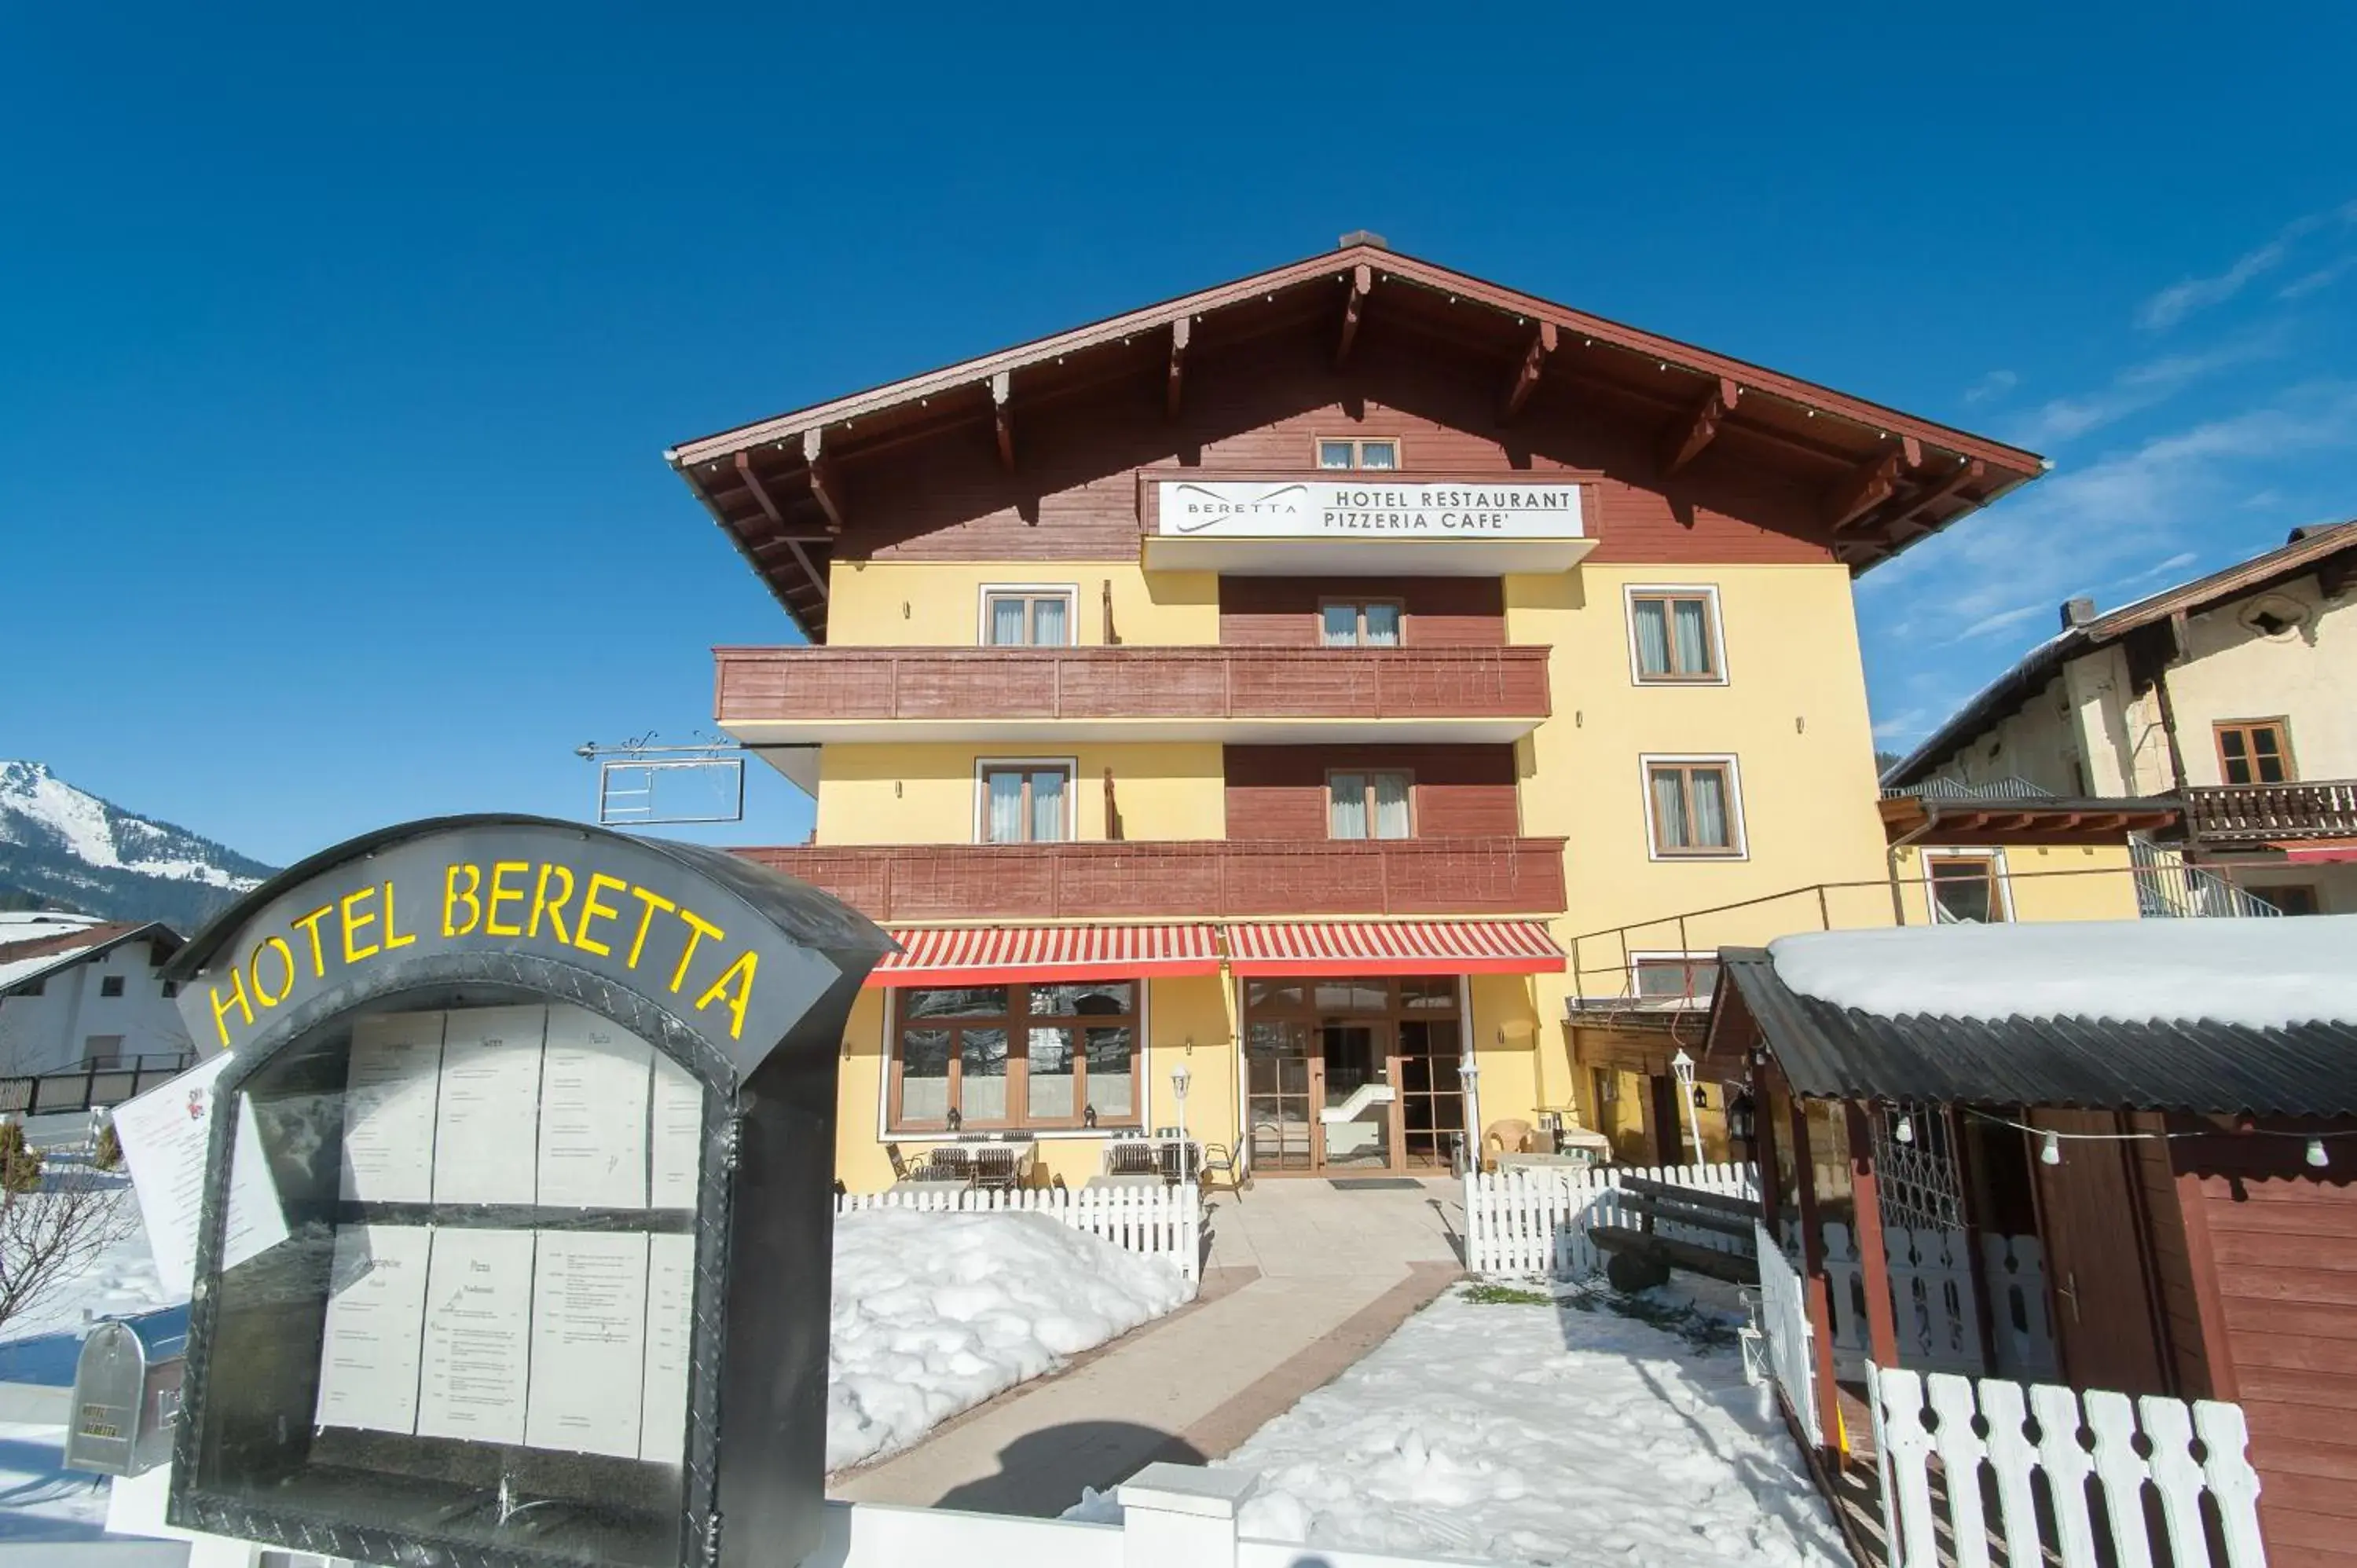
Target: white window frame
[
  {"x": 1358, "y": 454},
  {"x": 1068, "y": 592},
  {"x": 984, "y": 765},
  {"x": 1928, "y": 854},
  {"x": 1666, "y": 955},
  {"x": 1648, "y": 761},
  {"x": 890, "y": 1040},
  {"x": 1631, "y": 592}
]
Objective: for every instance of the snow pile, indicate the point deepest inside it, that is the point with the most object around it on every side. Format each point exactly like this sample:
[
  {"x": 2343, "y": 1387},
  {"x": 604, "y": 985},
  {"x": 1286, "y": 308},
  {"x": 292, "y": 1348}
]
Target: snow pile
[
  {"x": 935, "y": 1313},
  {"x": 1537, "y": 1434},
  {"x": 2261, "y": 973}
]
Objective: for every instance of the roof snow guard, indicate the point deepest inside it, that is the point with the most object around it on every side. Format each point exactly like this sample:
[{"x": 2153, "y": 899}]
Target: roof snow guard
[
  {"x": 2208, "y": 1016},
  {"x": 777, "y": 487}
]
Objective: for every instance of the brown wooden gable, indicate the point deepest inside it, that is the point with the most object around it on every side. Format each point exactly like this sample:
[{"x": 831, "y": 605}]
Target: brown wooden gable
[{"x": 1036, "y": 452}]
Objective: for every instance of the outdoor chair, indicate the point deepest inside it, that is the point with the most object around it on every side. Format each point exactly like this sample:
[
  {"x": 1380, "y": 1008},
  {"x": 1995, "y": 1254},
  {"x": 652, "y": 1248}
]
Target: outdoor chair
[
  {"x": 1130, "y": 1162},
  {"x": 996, "y": 1168},
  {"x": 949, "y": 1162},
  {"x": 900, "y": 1171}
]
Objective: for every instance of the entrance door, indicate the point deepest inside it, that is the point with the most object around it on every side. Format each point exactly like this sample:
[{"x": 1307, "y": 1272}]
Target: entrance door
[
  {"x": 1357, "y": 1099},
  {"x": 1432, "y": 1095},
  {"x": 1278, "y": 1105},
  {"x": 2093, "y": 1229}
]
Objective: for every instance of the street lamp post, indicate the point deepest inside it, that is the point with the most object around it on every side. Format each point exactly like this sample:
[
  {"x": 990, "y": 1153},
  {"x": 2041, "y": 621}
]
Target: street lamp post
[
  {"x": 1682, "y": 1067},
  {"x": 1180, "y": 1079}
]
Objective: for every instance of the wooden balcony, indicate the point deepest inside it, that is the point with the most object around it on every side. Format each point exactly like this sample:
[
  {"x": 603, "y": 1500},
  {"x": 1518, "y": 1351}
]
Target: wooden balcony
[
  {"x": 1184, "y": 877},
  {"x": 2264, "y": 814},
  {"x": 803, "y": 695}
]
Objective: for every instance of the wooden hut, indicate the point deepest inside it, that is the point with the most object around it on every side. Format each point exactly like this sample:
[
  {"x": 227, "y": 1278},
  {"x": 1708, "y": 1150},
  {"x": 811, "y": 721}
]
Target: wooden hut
[{"x": 2110, "y": 1155}]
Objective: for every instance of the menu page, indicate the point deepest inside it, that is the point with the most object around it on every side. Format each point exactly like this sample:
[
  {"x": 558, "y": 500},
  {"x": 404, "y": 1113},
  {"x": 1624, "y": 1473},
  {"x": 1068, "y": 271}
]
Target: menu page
[
  {"x": 593, "y": 1113},
  {"x": 478, "y": 1323},
  {"x": 165, "y": 1133},
  {"x": 678, "y": 1122},
  {"x": 389, "y": 1089},
  {"x": 589, "y": 1324},
  {"x": 670, "y": 1301},
  {"x": 376, "y": 1309},
  {"x": 489, "y": 1107}
]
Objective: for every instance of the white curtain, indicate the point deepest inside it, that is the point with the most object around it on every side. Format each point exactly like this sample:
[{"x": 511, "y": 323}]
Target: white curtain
[
  {"x": 1048, "y": 622},
  {"x": 1347, "y": 815},
  {"x": 1383, "y": 626},
  {"x": 1047, "y": 806},
  {"x": 1390, "y": 805},
  {"x": 1005, "y": 807},
  {"x": 1340, "y": 624},
  {"x": 1653, "y": 638},
  {"x": 1047, "y": 1093},
  {"x": 1709, "y": 789},
  {"x": 1006, "y": 622},
  {"x": 1694, "y": 637},
  {"x": 981, "y": 1085},
  {"x": 1670, "y": 824}
]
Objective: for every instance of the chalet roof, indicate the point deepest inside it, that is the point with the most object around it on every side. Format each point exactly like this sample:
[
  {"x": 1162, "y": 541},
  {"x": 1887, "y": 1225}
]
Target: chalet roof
[
  {"x": 26, "y": 960},
  {"x": 2018, "y": 819},
  {"x": 2308, "y": 550},
  {"x": 771, "y": 485},
  {"x": 2133, "y": 1016}
]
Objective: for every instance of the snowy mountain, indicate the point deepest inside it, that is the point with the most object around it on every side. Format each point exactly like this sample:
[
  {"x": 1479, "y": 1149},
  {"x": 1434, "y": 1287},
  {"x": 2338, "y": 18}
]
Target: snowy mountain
[{"x": 70, "y": 850}]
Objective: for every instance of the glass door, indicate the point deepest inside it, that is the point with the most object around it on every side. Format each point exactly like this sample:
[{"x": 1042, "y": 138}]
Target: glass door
[
  {"x": 1356, "y": 1097},
  {"x": 1432, "y": 1096},
  {"x": 1277, "y": 1096}
]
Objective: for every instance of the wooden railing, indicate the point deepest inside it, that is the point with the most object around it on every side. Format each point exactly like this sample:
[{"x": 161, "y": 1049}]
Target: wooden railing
[
  {"x": 1184, "y": 877},
  {"x": 880, "y": 683},
  {"x": 2224, "y": 813}
]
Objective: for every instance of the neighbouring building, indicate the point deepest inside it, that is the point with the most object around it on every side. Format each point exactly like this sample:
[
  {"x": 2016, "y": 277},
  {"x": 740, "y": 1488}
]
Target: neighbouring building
[
  {"x": 1263, "y": 691},
  {"x": 2235, "y": 695},
  {"x": 80, "y": 992}
]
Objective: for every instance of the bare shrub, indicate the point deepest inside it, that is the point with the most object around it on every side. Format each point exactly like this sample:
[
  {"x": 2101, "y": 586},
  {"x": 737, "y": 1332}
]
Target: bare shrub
[{"x": 52, "y": 1233}]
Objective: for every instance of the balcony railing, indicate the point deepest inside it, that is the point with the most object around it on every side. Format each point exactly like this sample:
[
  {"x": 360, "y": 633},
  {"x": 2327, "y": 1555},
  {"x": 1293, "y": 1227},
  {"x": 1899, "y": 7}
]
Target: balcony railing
[
  {"x": 1185, "y": 878},
  {"x": 866, "y": 684},
  {"x": 2250, "y": 813}
]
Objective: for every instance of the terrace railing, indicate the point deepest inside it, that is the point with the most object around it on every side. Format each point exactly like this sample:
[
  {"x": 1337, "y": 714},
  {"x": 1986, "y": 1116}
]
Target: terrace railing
[
  {"x": 90, "y": 1087},
  {"x": 2261, "y": 813}
]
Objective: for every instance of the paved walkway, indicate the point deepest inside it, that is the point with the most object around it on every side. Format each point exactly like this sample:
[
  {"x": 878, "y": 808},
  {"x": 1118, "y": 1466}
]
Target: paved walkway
[{"x": 1303, "y": 1280}]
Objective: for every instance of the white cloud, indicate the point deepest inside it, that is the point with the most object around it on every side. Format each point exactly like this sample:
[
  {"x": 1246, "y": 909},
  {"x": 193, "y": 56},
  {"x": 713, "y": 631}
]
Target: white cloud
[
  {"x": 1996, "y": 383},
  {"x": 2181, "y": 299},
  {"x": 2323, "y": 277},
  {"x": 2139, "y": 387},
  {"x": 1999, "y": 621},
  {"x": 1910, "y": 725}
]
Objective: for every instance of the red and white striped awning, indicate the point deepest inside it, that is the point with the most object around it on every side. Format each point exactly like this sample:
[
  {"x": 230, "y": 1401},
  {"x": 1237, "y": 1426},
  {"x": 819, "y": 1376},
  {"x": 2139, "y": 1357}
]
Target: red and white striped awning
[
  {"x": 984, "y": 955},
  {"x": 1394, "y": 947}
]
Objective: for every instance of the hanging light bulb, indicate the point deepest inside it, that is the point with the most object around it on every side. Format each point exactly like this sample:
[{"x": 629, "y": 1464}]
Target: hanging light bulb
[
  {"x": 2316, "y": 1154},
  {"x": 2052, "y": 1153},
  {"x": 1904, "y": 1131}
]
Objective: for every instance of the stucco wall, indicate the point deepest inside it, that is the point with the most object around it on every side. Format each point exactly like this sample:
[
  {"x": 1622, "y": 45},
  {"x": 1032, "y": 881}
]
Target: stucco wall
[{"x": 938, "y": 603}]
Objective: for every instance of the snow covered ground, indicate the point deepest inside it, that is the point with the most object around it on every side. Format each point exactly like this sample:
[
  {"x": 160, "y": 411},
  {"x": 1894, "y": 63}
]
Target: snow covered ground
[
  {"x": 933, "y": 1313},
  {"x": 1516, "y": 1432}
]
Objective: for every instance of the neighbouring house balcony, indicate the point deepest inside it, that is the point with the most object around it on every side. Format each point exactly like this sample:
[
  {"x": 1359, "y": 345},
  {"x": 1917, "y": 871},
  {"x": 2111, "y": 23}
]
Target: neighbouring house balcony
[
  {"x": 2267, "y": 813},
  {"x": 1139, "y": 879},
  {"x": 806, "y": 696}
]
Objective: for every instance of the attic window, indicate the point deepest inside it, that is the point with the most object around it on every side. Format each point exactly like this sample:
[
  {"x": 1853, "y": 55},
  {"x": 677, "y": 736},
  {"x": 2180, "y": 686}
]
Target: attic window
[
  {"x": 2274, "y": 615},
  {"x": 1337, "y": 452}
]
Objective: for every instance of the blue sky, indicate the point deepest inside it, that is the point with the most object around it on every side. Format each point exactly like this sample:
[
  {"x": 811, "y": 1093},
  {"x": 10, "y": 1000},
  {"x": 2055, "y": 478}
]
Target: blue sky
[{"x": 340, "y": 345}]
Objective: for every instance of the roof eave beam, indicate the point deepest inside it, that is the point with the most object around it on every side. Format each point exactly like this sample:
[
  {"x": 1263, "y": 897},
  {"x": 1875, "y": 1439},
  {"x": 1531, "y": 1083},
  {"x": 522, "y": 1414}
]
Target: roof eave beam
[
  {"x": 1002, "y": 416},
  {"x": 1362, "y": 283},
  {"x": 827, "y": 486},
  {"x": 770, "y": 510},
  {"x": 1690, "y": 435},
  {"x": 1527, "y": 373},
  {"x": 1181, "y": 332},
  {"x": 1871, "y": 483}
]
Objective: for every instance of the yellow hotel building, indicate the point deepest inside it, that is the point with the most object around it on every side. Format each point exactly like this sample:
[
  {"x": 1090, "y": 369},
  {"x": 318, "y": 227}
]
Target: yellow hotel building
[{"x": 1262, "y": 691}]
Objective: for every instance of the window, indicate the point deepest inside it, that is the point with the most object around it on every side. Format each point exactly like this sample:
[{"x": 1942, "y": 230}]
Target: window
[
  {"x": 2289, "y": 899},
  {"x": 1966, "y": 889},
  {"x": 2255, "y": 751},
  {"x": 1026, "y": 802},
  {"x": 171, "y": 988},
  {"x": 1693, "y": 808},
  {"x": 1368, "y": 805},
  {"x": 1028, "y": 617},
  {"x": 109, "y": 985},
  {"x": 1373, "y": 623},
  {"x": 1381, "y": 454},
  {"x": 1675, "y": 977},
  {"x": 1675, "y": 634},
  {"x": 1017, "y": 1056}
]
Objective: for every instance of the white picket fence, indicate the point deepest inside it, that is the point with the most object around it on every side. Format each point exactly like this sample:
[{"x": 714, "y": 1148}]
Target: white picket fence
[
  {"x": 1932, "y": 1292},
  {"x": 1784, "y": 1320},
  {"x": 2051, "y": 1440},
  {"x": 1524, "y": 1222},
  {"x": 1164, "y": 1222}
]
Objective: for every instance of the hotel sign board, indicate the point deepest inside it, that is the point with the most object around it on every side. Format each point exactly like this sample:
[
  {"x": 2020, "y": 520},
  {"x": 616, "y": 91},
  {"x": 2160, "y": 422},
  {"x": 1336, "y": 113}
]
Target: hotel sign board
[
  {"x": 1368, "y": 523},
  {"x": 543, "y": 1117}
]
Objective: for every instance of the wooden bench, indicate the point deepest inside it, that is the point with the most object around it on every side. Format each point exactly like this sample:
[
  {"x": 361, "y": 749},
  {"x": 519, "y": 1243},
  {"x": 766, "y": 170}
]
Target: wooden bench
[{"x": 1641, "y": 1259}]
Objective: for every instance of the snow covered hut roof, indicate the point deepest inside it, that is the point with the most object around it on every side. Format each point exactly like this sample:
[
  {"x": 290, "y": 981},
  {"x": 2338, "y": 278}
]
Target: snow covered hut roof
[
  {"x": 2210, "y": 1015},
  {"x": 29, "y": 960}
]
